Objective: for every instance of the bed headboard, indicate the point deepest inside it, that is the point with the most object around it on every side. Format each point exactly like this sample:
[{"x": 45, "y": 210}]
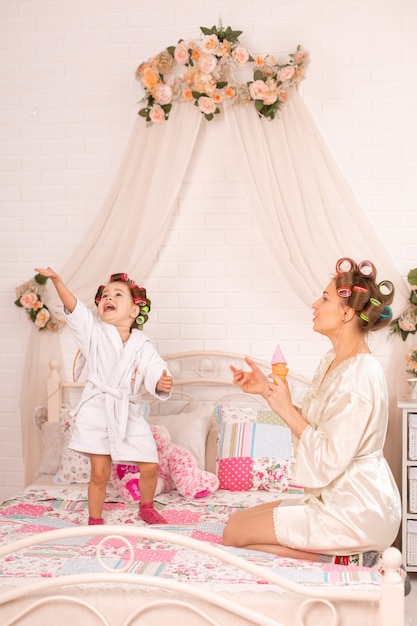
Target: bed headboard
[{"x": 203, "y": 375}]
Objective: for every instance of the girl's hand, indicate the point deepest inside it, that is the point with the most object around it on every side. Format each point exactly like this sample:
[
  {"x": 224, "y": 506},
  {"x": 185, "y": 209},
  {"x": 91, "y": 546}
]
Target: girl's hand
[
  {"x": 254, "y": 381},
  {"x": 48, "y": 272},
  {"x": 165, "y": 383}
]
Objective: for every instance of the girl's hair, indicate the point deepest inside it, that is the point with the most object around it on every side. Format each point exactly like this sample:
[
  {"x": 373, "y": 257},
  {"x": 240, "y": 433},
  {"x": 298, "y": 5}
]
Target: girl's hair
[
  {"x": 138, "y": 297},
  {"x": 356, "y": 284}
]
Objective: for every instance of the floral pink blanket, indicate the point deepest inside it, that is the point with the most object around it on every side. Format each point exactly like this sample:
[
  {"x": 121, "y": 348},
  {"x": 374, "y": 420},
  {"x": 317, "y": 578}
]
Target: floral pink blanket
[{"x": 39, "y": 509}]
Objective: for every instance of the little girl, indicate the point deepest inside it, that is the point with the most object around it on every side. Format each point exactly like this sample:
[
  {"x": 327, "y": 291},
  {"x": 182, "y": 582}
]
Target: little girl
[{"x": 110, "y": 421}]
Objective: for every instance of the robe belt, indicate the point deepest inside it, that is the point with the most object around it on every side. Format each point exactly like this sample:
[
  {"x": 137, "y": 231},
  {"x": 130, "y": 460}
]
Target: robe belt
[
  {"x": 121, "y": 403},
  {"x": 378, "y": 454}
]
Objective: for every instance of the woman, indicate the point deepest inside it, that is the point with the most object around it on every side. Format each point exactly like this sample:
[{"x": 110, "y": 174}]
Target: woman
[{"x": 351, "y": 504}]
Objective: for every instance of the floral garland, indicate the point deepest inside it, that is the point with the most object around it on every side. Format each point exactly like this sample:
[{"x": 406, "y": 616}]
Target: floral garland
[
  {"x": 411, "y": 360},
  {"x": 30, "y": 297},
  {"x": 201, "y": 72},
  {"x": 406, "y": 323}
]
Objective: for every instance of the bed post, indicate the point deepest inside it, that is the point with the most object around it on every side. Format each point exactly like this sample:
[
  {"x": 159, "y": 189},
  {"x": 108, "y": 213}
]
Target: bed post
[
  {"x": 53, "y": 389},
  {"x": 392, "y": 589}
]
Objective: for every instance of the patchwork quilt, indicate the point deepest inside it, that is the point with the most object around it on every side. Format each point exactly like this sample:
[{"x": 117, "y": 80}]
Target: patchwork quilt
[{"x": 39, "y": 509}]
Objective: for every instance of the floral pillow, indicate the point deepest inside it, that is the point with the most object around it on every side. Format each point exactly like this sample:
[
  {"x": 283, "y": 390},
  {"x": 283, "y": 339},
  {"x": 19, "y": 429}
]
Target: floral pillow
[
  {"x": 75, "y": 467},
  {"x": 254, "y": 449}
]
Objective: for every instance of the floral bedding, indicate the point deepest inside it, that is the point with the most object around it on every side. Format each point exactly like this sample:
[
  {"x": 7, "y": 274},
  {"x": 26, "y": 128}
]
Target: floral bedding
[{"x": 42, "y": 508}]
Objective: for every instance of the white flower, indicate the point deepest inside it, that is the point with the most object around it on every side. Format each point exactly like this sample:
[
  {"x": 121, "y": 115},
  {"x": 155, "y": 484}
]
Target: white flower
[
  {"x": 206, "y": 105},
  {"x": 163, "y": 94}
]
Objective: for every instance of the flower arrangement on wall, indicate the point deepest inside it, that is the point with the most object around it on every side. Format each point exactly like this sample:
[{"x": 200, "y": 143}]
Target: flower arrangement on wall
[
  {"x": 201, "y": 72},
  {"x": 406, "y": 323},
  {"x": 411, "y": 360},
  {"x": 30, "y": 297}
]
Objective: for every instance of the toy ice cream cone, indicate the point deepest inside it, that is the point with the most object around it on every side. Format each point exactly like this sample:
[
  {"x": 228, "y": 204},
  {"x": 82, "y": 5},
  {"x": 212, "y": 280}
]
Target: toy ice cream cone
[{"x": 279, "y": 364}]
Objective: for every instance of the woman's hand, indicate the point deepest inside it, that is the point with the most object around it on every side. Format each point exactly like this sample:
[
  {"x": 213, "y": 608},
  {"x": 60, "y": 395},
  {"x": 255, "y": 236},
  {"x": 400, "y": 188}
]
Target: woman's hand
[
  {"x": 278, "y": 397},
  {"x": 254, "y": 381}
]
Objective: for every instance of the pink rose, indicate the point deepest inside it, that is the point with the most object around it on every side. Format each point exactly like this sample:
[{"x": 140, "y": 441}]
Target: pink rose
[
  {"x": 407, "y": 325},
  {"x": 285, "y": 73},
  {"x": 206, "y": 105},
  {"x": 163, "y": 94},
  {"x": 258, "y": 90},
  {"x": 157, "y": 114},
  {"x": 240, "y": 55},
  {"x": 29, "y": 299},
  {"x": 207, "y": 63},
  {"x": 42, "y": 318},
  {"x": 181, "y": 54}
]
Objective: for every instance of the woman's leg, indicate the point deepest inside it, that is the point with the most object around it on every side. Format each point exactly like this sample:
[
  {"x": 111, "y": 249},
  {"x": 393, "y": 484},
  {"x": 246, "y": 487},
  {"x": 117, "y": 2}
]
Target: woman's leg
[
  {"x": 100, "y": 474},
  {"x": 253, "y": 529}
]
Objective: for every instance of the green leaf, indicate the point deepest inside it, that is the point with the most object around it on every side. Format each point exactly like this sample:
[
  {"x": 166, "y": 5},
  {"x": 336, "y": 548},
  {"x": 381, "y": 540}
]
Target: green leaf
[
  {"x": 258, "y": 75},
  {"x": 259, "y": 105},
  {"x": 41, "y": 280},
  {"x": 208, "y": 31},
  {"x": 196, "y": 94},
  {"x": 171, "y": 49},
  {"x": 208, "y": 116},
  {"x": 143, "y": 112},
  {"x": 166, "y": 107},
  {"x": 222, "y": 84},
  {"x": 18, "y": 303},
  {"x": 412, "y": 276}
]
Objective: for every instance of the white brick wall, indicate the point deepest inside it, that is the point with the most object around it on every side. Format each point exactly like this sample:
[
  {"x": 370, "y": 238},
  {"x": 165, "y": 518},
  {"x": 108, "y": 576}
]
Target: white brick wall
[{"x": 68, "y": 100}]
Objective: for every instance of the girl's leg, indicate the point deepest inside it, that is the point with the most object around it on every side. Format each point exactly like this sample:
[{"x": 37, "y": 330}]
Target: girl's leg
[
  {"x": 148, "y": 479},
  {"x": 253, "y": 529},
  {"x": 100, "y": 474}
]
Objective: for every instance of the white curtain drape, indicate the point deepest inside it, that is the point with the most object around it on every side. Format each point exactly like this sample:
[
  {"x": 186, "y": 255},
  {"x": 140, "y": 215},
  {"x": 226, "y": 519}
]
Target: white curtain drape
[
  {"x": 309, "y": 217},
  {"x": 125, "y": 237}
]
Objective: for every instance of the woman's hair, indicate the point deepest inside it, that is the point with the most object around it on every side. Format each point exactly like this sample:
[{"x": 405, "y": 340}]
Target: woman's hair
[
  {"x": 356, "y": 283},
  {"x": 138, "y": 297}
]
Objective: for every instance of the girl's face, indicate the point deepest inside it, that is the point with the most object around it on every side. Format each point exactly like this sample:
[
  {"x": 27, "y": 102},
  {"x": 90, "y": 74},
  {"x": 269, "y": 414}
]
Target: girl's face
[
  {"x": 116, "y": 305},
  {"x": 329, "y": 312}
]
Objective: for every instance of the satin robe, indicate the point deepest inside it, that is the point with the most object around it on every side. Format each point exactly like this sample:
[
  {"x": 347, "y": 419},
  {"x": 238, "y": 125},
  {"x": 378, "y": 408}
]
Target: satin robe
[
  {"x": 111, "y": 417},
  {"x": 351, "y": 502}
]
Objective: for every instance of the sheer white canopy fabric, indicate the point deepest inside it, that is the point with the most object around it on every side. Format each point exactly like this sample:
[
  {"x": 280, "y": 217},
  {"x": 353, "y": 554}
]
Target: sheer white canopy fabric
[
  {"x": 307, "y": 212},
  {"x": 309, "y": 216}
]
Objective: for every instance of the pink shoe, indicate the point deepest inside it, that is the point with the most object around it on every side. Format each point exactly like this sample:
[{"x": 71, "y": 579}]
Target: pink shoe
[
  {"x": 95, "y": 521},
  {"x": 149, "y": 515}
]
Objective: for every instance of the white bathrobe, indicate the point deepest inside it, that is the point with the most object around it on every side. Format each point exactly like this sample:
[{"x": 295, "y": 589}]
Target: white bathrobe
[{"x": 111, "y": 417}]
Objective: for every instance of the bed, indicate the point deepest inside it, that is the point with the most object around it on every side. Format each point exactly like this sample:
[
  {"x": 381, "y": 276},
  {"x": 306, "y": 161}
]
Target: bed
[{"x": 126, "y": 573}]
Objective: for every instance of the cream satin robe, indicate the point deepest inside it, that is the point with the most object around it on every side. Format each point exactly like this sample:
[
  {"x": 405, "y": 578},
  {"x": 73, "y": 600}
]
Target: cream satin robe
[
  {"x": 351, "y": 502},
  {"x": 111, "y": 417}
]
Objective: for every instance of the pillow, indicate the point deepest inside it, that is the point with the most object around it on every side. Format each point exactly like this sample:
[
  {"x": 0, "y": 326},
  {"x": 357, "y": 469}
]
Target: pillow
[
  {"x": 74, "y": 467},
  {"x": 254, "y": 449},
  {"x": 189, "y": 429},
  {"x": 53, "y": 447}
]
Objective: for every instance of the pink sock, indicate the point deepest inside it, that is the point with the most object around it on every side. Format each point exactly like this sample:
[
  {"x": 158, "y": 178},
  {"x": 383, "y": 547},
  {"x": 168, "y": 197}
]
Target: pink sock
[
  {"x": 95, "y": 521},
  {"x": 202, "y": 494},
  {"x": 149, "y": 515}
]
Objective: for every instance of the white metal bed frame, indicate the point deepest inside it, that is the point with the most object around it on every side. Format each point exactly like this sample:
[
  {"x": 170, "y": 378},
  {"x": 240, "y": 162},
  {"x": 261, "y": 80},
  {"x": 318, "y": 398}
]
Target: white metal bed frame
[
  {"x": 205, "y": 369},
  {"x": 389, "y": 597}
]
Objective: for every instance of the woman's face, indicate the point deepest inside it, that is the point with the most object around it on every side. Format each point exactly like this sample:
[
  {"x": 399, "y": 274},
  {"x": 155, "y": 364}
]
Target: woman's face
[{"x": 328, "y": 312}]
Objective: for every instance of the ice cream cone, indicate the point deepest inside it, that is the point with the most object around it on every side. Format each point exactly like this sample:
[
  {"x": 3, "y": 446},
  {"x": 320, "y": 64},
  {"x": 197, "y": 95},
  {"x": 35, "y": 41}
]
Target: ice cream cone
[
  {"x": 280, "y": 369},
  {"x": 279, "y": 364}
]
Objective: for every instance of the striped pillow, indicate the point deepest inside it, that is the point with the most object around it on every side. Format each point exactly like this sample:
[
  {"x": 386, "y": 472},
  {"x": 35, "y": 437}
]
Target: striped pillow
[{"x": 254, "y": 449}]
